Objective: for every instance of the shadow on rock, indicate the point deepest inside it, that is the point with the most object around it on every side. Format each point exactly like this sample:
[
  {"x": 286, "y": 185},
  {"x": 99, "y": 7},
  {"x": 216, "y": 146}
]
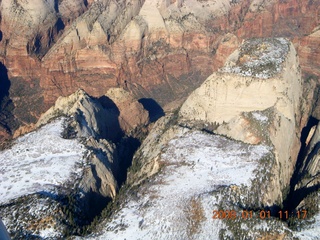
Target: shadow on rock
[
  {"x": 154, "y": 109},
  {"x": 113, "y": 129},
  {"x": 7, "y": 121}
]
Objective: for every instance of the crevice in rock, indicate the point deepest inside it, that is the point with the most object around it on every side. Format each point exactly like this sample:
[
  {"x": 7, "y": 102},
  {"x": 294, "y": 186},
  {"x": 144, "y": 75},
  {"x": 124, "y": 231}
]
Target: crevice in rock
[
  {"x": 85, "y": 2},
  {"x": 40, "y": 44},
  {"x": 303, "y": 151},
  {"x": 296, "y": 194},
  {"x": 93, "y": 204},
  {"x": 7, "y": 120},
  {"x": 154, "y": 109},
  {"x": 56, "y": 5},
  {"x": 59, "y": 25},
  {"x": 4, "y": 82}
]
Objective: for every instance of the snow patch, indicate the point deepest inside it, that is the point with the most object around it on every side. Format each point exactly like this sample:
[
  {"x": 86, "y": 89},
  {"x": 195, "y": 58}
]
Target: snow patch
[
  {"x": 260, "y": 117},
  {"x": 259, "y": 57},
  {"x": 194, "y": 165},
  {"x": 38, "y": 161}
]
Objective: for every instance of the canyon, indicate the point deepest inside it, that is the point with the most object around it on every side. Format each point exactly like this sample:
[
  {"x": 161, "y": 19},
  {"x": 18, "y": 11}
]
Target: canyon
[
  {"x": 155, "y": 49},
  {"x": 138, "y": 119}
]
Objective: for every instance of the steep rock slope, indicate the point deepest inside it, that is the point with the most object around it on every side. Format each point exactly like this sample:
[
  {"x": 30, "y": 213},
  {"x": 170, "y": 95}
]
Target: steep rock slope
[
  {"x": 181, "y": 176},
  {"x": 256, "y": 98},
  {"x": 27, "y": 30},
  {"x": 159, "y": 49},
  {"x": 69, "y": 167},
  {"x": 198, "y": 171}
]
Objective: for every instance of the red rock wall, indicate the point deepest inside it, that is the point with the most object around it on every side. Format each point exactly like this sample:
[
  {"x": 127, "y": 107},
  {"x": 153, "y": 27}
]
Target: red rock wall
[{"x": 164, "y": 69}]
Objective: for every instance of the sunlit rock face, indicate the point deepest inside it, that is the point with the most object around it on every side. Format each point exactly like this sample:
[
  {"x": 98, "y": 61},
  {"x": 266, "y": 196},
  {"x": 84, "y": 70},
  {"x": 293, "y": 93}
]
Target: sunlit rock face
[
  {"x": 71, "y": 164},
  {"x": 255, "y": 98},
  {"x": 158, "y": 49}
]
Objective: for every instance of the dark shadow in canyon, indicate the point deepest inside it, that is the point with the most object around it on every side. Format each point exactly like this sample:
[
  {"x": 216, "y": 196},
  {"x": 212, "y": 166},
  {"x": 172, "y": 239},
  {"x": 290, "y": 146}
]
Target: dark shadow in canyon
[
  {"x": 108, "y": 104},
  {"x": 295, "y": 196},
  {"x": 113, "y": 131},
  {"x": 126, "y": 150},
  {"x": 7, "y": 121},
  {"x": 126, "y": 145},
  {"x": 42, "y": 41},
  {"x": 56, "y": 5},
  {"x": 59, "y": 26},
  {"x": 154, "y": 109},
  {"x": 4, "y": 82}
]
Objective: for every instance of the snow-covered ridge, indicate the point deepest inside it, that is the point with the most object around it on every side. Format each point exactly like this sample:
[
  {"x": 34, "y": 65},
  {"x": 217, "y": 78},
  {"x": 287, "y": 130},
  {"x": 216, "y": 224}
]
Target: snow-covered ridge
[
  {"x": 261, "y": 58},
  {"x": 38, "y": 161},
  {"x": 193, "y": 166}
]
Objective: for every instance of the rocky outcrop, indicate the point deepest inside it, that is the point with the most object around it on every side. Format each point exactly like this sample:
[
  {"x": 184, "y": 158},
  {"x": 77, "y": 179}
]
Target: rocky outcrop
[
  {"x": 308, "y": 50},
  {"x": 112, "y": 116},
  {"x": 88, "y": 119},
  {"x": 159, "y": 49},
  {"x": 147, "y": 160},
  {"x": 256, "y": 98},
  {"x": 131, "y": 113}
]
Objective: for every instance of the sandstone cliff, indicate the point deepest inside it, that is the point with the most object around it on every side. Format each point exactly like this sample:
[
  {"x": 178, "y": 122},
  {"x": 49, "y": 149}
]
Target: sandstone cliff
[
  {"x": 159, "y": 49},
  {"x": 132, "y": 114},
  {"x": 257, "y": 102},
  {"x": 256, "y": 98}
]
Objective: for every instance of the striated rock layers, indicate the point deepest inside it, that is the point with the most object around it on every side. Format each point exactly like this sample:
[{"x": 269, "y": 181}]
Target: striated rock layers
[
  {"x": 158, "y": 49},
  {"x": 256, "y": 101},
  {"x": 256, "y": 98}
]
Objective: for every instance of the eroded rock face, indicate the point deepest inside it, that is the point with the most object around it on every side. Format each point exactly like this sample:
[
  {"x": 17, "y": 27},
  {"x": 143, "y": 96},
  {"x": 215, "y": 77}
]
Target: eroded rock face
[
  {"x": 256, "y": 98},
  {"x": 310, "y": 166},
  {"x": 131, "y": 113},
  {"x": 159, "y": 49},
  {"x": 90, "y": 121},
  {"x": 110, "y": 117},
  {"x": 85, "y": 135},
  {"x": 27, "y": 30}
]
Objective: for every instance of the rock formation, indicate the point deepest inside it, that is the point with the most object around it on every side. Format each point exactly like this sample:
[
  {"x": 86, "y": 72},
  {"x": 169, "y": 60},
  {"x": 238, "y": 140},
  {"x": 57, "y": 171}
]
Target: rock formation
[
  {"x": 98, "y": 129},
  {"x": 256, "y": 98},
  {"x": 256, "y": 101},
  {"x": 159, "y": 49},
  {"x": 114, "y": 56},
  {"x": 131, "y": 113}
]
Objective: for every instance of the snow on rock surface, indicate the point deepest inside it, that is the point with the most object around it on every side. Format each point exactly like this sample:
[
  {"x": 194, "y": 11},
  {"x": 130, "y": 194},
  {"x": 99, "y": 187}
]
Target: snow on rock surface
[
  {"x": 38, "y": 161},
  {"x": 193, "y": 166},
  {"x": 261, "y": 58},
  {"x": 312, "y": 232},
  {"x": 227, "y": 98}
]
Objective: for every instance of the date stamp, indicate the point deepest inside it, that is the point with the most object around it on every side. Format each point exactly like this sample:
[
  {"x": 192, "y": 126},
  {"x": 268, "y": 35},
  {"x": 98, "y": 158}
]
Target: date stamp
[{"x": 261, "y": 214}]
